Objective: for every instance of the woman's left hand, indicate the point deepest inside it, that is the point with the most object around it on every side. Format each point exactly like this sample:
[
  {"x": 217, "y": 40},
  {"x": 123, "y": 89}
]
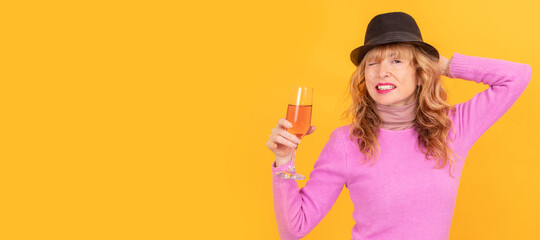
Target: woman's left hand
[{"x": 444, "y": 63}]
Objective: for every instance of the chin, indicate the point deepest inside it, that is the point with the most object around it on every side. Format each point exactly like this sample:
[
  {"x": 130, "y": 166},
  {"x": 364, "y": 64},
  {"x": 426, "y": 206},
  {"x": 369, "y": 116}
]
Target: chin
[{"x": 383, "y": 102}]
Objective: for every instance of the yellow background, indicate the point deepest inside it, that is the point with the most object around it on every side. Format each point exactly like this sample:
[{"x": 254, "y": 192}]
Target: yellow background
[{"x": 149, "y": 119}]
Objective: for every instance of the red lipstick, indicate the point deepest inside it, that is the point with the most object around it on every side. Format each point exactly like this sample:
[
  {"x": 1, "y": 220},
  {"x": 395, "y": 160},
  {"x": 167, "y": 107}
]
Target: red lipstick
[{"x": 385, "y": 90}]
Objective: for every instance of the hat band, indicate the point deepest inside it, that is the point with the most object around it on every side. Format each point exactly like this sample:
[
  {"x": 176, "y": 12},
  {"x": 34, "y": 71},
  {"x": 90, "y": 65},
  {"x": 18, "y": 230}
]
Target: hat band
[{"x": 390, "y": 37}]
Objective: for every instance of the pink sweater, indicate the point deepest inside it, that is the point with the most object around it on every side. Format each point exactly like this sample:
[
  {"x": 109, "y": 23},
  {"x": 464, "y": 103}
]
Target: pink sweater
[{"x": 402, "y": 195}]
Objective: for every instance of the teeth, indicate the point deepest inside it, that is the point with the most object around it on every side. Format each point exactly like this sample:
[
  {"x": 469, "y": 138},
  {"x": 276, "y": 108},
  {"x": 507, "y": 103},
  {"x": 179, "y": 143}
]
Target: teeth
[{"x": 385, "y": 87}]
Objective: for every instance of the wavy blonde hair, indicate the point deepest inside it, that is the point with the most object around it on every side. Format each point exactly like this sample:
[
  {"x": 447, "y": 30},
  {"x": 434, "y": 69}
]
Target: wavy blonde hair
[{"x": 432, "y": 122}]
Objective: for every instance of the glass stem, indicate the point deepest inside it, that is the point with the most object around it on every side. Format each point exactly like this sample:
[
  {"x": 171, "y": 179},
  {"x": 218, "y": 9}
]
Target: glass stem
[{"x": 291, "y": 165}]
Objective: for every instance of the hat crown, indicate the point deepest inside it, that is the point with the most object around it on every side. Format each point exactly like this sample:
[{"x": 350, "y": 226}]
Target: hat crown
[
  {"x": 392, "y": 27},
  {"x": 392, "y": 22}
]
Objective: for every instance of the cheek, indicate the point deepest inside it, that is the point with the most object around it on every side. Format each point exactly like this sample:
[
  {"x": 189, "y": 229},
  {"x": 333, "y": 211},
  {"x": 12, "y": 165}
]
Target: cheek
[
  {"x": 369, "y": 79},
  {"x": 369, "y": 74},
  {"x": 409, "y": 89}
]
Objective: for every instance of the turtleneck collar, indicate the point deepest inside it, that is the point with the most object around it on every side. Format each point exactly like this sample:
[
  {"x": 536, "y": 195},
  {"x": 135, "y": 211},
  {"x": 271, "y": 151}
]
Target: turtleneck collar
[{"x": 397, "y": 118}]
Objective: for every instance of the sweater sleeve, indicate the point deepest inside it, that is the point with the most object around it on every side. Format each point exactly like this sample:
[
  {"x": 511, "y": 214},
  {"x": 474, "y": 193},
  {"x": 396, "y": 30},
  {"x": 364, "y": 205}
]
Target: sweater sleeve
[
  {"x": 506, "y": 80},
  {"x": 297, "y": 212}
]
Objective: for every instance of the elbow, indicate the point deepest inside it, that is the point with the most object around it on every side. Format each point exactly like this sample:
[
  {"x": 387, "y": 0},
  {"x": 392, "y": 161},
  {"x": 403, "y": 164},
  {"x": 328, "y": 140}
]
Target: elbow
[
  {"x": 292, "y": 233},
  {"x": 293, "y": 230},
  {"x": 528, "y": 72},
  {"x": 525, "y": 76},
  {"x": 520, "y": 77},
  {"x": 288, "y": 234}
]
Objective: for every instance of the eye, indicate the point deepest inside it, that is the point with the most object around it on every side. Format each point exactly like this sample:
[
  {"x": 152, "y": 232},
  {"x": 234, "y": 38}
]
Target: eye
[
  {"x": 396, "y": 60},
  {"x": 370, "y": 64}
]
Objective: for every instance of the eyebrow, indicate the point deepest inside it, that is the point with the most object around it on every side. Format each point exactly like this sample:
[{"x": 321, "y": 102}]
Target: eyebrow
[{"x": 390, "y": 53}]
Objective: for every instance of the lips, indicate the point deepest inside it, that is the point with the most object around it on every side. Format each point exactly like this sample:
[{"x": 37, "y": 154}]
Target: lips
[
  {"x": 384, "y": 91},
  {"x": 379, "y": 84},
  {"x": 387, "y": 87}
]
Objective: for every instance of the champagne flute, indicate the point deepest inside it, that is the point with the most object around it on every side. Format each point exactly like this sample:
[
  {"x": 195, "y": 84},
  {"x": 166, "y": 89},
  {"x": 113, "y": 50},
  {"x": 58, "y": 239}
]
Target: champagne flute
[{"x": 299, "y": 114}]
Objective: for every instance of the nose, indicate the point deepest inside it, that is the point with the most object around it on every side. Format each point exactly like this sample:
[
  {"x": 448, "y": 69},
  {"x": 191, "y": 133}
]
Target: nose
[{"x": 383, "y": 71}]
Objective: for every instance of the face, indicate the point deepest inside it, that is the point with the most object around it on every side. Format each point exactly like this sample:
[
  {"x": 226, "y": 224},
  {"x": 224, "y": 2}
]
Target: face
[{"x": 395, "y": 77}]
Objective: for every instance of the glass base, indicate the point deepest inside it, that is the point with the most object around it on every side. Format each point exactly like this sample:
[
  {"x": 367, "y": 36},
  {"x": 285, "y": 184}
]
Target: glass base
[{"x": 290, "y": 175}]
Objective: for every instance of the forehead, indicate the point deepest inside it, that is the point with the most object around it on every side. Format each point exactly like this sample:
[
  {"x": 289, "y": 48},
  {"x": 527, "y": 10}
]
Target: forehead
[{"x": 394, "y": 51}]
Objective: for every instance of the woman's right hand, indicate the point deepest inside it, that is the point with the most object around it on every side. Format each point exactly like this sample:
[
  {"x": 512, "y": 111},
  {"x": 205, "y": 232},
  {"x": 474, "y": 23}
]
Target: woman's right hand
[
  {"x": 444, "y": 64},
  {"x": 282, "y": 143}
]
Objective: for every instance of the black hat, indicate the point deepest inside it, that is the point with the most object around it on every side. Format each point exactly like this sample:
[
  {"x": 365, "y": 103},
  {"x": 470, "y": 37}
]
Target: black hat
[{"x": 391, "y": 27}]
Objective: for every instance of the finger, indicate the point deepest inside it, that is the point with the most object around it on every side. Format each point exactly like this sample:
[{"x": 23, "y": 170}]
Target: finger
[
  {"x": 283, "y": 123},
  {"x": 281, "y": 140},
  {"x": 271, "y": 145},
  {"x": 311, "y": 130},
  {"x": 289, "y": 136}
]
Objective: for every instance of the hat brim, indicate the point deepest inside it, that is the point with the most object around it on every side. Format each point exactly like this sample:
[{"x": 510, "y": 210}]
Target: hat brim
[{"x": 358, "y": 53}]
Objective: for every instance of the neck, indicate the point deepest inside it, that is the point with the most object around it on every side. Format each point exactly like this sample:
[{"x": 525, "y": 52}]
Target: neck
[{"x": 397, "y": 117}]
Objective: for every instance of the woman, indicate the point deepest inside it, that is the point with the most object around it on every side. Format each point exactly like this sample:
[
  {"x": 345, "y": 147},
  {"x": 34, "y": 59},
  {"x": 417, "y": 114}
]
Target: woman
[{"x": 415, "y": 142}]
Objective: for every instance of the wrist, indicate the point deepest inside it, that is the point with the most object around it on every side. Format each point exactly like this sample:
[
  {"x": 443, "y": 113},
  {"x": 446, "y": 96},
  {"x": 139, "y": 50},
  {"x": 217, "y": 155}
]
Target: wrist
[
  {"x": 281, "y": 162},
  {"x": 447, "y": 69}
]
